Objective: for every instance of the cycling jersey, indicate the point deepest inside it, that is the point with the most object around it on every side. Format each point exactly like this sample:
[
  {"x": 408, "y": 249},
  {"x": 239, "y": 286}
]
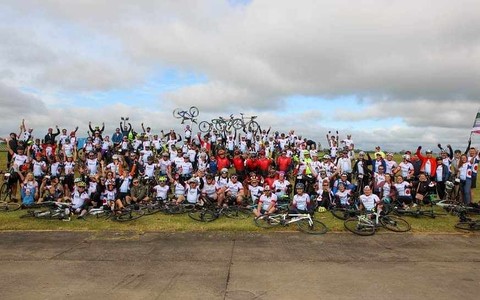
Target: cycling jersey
[
  {"x": 369, "y": 202},
  {"x": 265, "y": 201},
  {"x": 161, "y": 191},
  {"x": 301, "y": 202}
]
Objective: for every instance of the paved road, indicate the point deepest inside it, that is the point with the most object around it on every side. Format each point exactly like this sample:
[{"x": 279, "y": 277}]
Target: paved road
[{"x": 61, "y": 265}]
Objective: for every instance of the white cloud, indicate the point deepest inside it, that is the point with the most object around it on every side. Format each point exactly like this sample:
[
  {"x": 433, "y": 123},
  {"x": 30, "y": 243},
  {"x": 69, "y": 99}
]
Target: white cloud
[{"x": 414, "y": 60}]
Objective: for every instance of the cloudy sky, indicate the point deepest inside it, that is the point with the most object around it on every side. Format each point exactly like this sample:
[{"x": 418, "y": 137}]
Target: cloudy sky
[{"x": 394, "y": 73}]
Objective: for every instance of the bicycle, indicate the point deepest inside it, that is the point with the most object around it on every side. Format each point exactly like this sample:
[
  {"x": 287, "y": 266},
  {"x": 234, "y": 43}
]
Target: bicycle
[
  {"x": 364, "y": 225},
  {"x": 58, "y": 211},
  {"x": 6, "y": 188},
  {"x": 418, "y": 210},
  {"x": 219, "y": 124},
  {"x": 250, "y": 124},
  {"x": 210, "y": 214},
  {"x": 466, "y": 223},
  {"x": 305, "y": 222},
  {"x": 344, "y": 212},
  {"x": 185, "y": 115},
  {"x": 6, "y": 204},
  {"x": 128, "y": 213}
]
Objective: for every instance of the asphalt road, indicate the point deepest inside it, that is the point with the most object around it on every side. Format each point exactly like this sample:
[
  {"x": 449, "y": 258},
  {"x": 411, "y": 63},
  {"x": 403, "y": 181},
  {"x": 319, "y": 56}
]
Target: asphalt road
[{"x": 89, "y": 265}]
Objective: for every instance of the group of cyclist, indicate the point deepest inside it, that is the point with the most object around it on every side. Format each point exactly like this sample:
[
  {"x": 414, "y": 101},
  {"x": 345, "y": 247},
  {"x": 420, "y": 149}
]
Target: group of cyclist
[{"x": 254, "y": 167}]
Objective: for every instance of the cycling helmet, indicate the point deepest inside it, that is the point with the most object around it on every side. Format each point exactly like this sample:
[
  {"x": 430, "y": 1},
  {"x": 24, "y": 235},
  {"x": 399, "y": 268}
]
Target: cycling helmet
[
  {"x": 322, "y": 209},
  {"x": 449, "y": 185},
  {"x": 300, "y": 186}
]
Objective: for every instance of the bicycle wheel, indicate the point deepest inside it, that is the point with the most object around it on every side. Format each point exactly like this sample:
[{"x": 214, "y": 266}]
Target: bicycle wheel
[
  {"x": 253, "y": 126},
  {"x": 150, "y": 208},
  {"x": 177, "y": 113},
  {"x": 28, "y": 214},
  {"x": 469, "y": 225},
  {"x": 9, "y": 206},
  {"x": 339, "y": 213},
  {"x": 236, "y": 212},
  {"x": 175, "y": 210},
  {"x": 194, "y": 112},
  {"x": 5, "y": 193},
  {"x": 266, "y": 221},
  {"x": 129, "y": 215},
  {"x": 203, "y": 215},
  {"x": 316, "y": 227},
  {"x": 395, "y": 223},
  {"x": 204, "y": 126},
  {"x": 353, "y": 225},
  {"x": 219, "y": 125},
  {"x": 237, "y": 124}
]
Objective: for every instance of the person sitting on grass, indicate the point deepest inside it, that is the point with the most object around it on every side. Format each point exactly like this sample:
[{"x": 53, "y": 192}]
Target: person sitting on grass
[
  {"x": 234, "y": 192},
  {"x": 301, "y": 200},
  {"x": 138, "y": 193},
  {"x": 192, "y": 192},
  {"x": 80, "y": 199},
  {"x": 267, "y": 203},
  {"x": 369, "y": 201},
  {"x": 110, "y": 199}
]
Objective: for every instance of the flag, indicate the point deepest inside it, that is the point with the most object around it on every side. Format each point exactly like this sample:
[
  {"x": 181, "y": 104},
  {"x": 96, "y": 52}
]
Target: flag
[{"x": 476, "y": 124}]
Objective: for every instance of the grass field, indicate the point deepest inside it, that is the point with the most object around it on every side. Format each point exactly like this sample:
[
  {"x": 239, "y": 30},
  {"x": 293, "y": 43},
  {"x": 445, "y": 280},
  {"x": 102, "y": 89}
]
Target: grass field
[{"x": 179, "y": 223}]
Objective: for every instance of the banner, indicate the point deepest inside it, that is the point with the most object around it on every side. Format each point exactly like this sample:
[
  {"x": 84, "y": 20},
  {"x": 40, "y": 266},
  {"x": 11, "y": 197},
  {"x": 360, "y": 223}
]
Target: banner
[{"x": 476, "y": 124}]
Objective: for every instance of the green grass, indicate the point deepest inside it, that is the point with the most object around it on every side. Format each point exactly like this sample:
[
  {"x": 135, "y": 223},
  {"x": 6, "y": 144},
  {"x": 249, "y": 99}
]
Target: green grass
[{"x": 179, "y": 223}]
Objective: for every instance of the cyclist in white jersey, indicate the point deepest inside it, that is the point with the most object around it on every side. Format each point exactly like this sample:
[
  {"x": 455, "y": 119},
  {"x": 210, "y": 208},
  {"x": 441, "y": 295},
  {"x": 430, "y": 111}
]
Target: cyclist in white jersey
[
  {"x": 254, "y": 190},
  {"x": 301, "y": 200},
  {"x": 92, "y": 164},
  {"x": 235, "y": 189},
  {"x": 406, "y": 168},
  {"x": 210, "y": 187},
  {"x": 368, "y": 200},
  {"x": 390, "y": 164},
  {"x": 267, "y": 203},
  {"x": 192, "y": 192},
  {"x": 403, "y": 191},
  {"x": 161, "y": 189},
  {"x": 281, "y": 186}
]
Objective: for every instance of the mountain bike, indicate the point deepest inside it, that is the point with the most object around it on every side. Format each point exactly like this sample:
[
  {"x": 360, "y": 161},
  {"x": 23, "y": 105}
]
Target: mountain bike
[
  {"x": 368, "y": 223},
  {"x": 305, "y": 222},
  {"x": 247, "y": 123},
  {"x": 186, "y": 115}
]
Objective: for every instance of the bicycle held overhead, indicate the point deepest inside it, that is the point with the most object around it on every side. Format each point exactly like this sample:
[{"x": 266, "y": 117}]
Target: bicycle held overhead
[{"x": 186, "y": 115}]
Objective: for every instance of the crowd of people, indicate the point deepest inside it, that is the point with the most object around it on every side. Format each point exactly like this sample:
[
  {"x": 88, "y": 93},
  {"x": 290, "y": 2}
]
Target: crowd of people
[{"x": 259, "y": 167}]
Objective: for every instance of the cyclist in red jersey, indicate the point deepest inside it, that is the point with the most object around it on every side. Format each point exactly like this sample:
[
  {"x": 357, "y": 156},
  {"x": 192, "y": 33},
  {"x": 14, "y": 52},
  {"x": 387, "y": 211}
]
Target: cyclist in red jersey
[
  {"x": 263, "y": 163},
  {"x": 222, "y": 160},
  {"x": 251, "y": 163},
  {"x": 284, "y": 162},
  {"x": 271, "y": 177},
  {"x": 238, "y": 162}
]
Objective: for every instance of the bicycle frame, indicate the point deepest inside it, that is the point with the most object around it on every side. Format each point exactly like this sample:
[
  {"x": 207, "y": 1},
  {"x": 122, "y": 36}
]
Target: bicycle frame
[{"x": 282, "y": 218}]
